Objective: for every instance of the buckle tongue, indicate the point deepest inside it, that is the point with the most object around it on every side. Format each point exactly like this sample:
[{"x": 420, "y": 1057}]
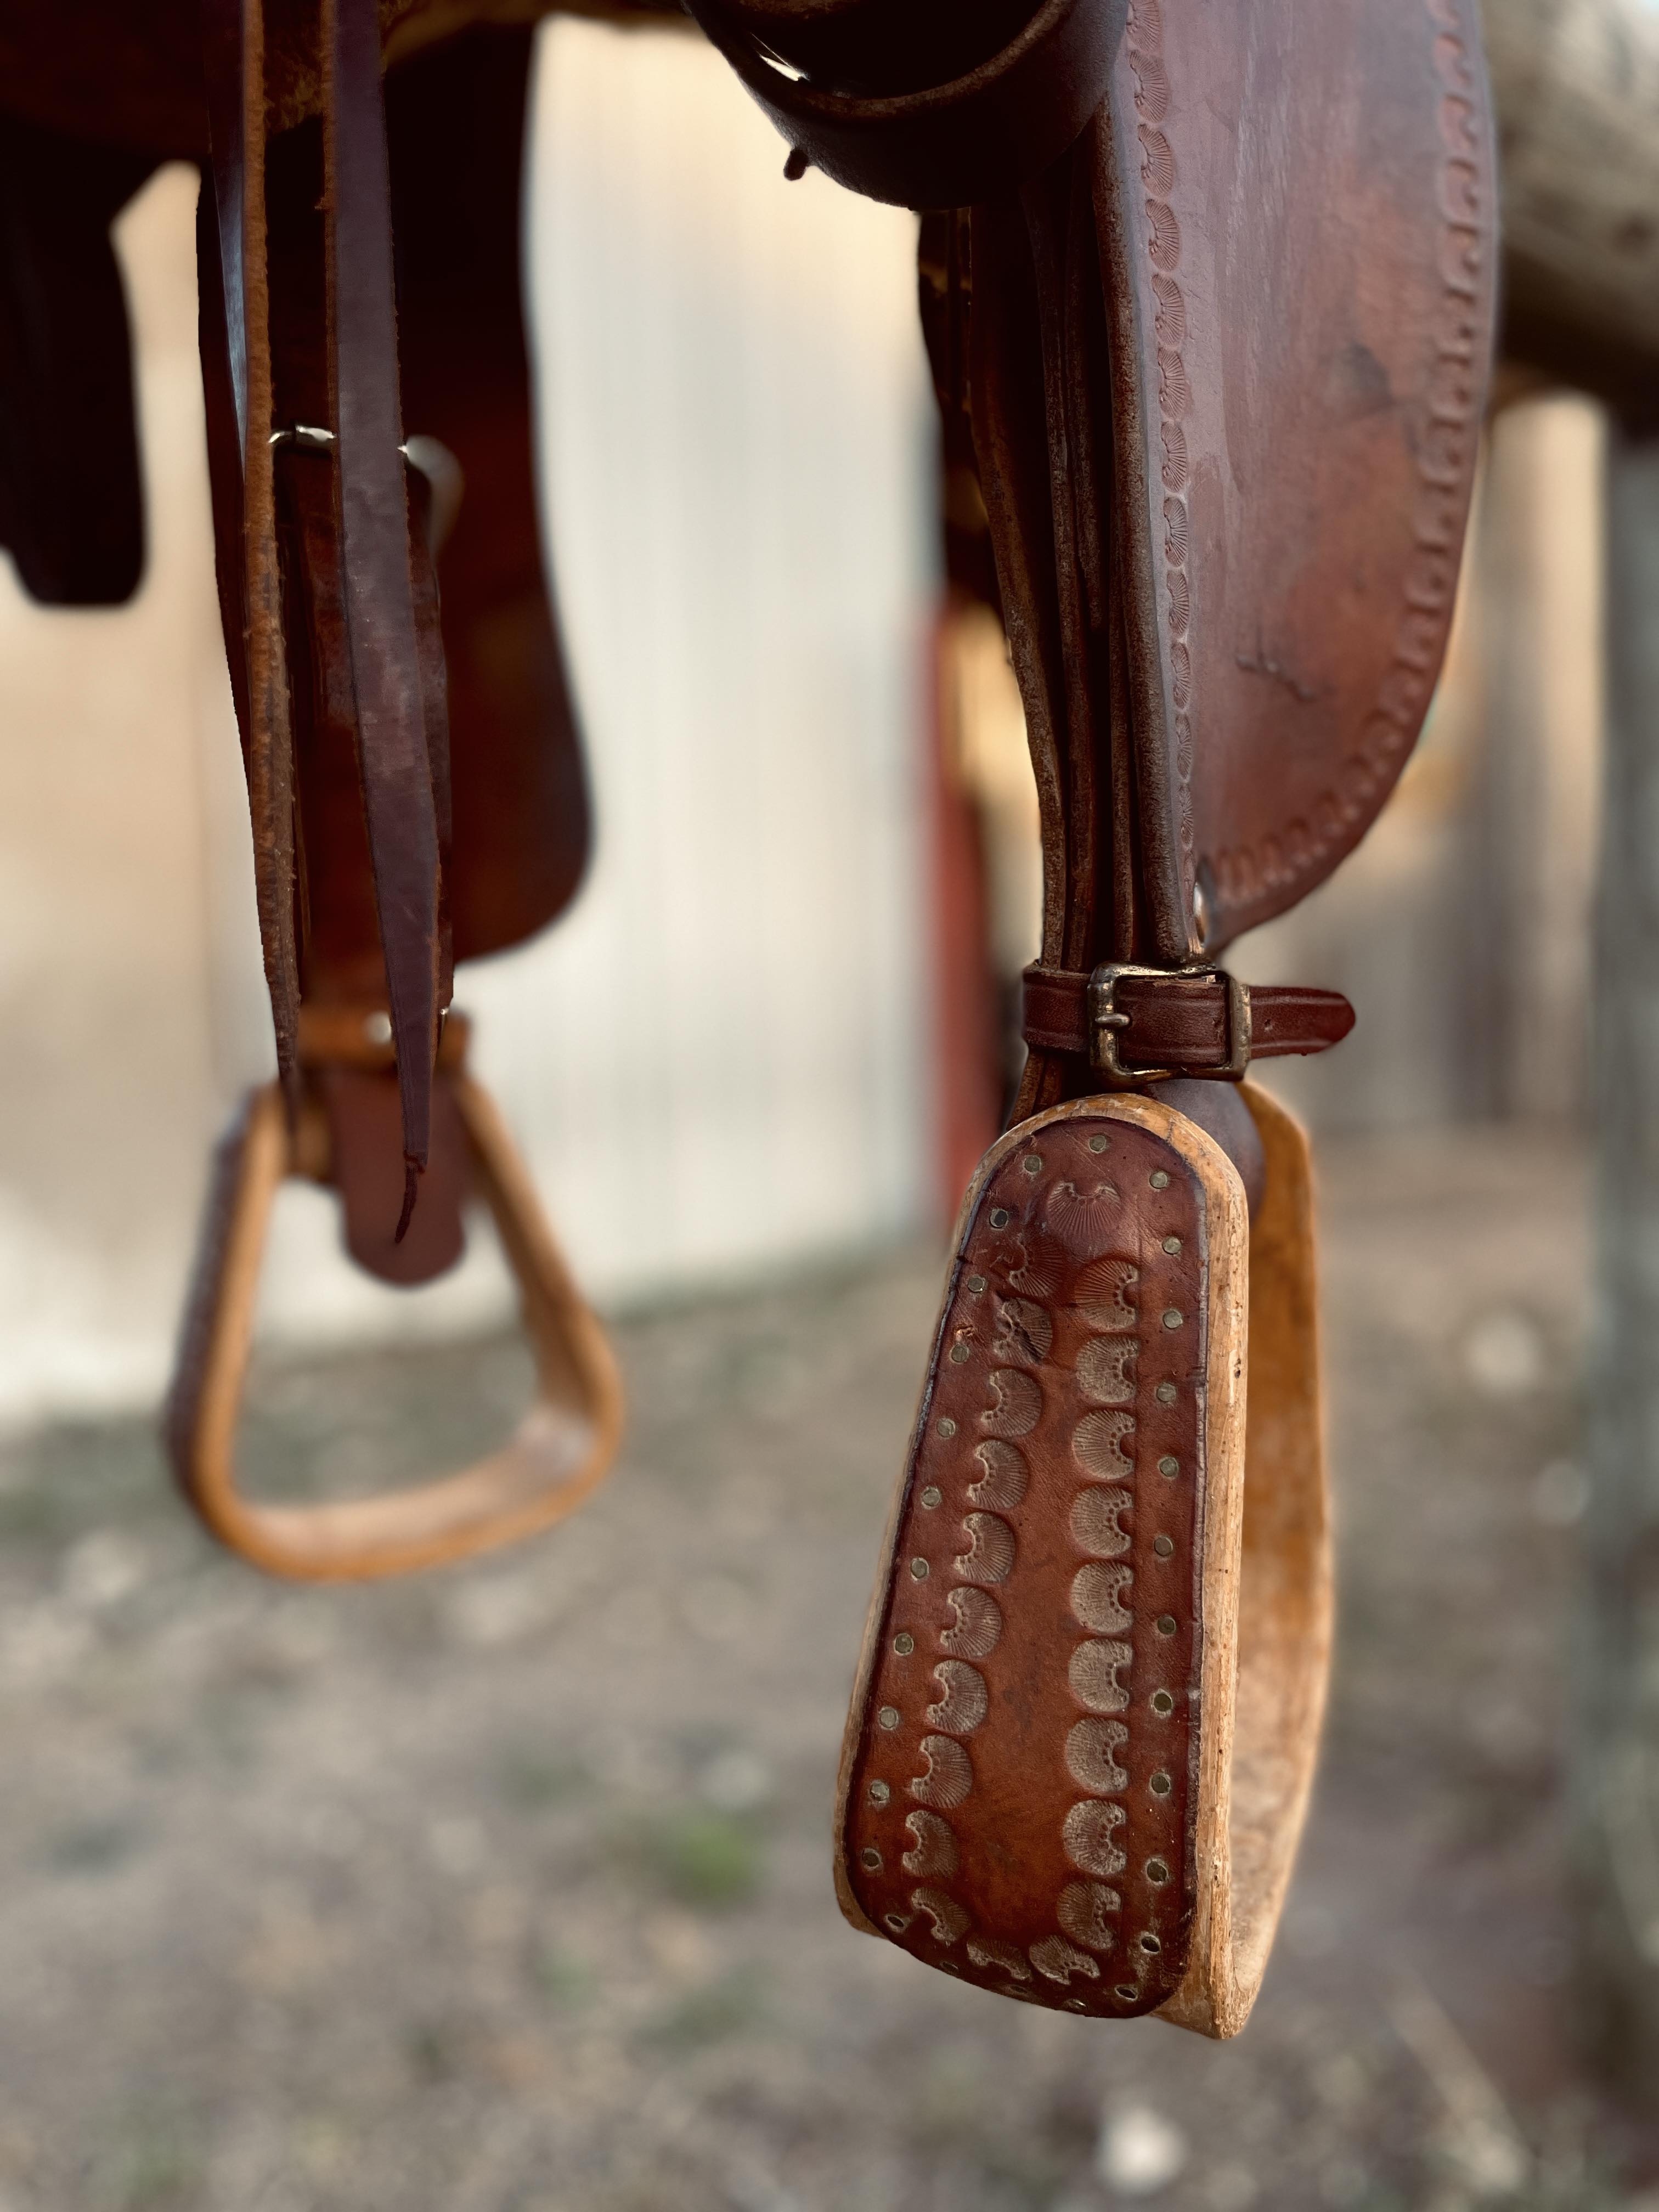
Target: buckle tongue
[{"x": 1106, "y": 1020}]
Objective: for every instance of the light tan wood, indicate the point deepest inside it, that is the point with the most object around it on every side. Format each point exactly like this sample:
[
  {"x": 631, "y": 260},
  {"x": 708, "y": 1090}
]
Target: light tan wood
[
  {"x": 1277, "y": 1599},
  {"x": 558, "y": 1456}
]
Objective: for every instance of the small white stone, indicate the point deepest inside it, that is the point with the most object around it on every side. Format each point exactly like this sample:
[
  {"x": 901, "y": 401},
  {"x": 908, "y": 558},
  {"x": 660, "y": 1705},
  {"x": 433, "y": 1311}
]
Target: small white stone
[{"x": 1140, "y": 2152}]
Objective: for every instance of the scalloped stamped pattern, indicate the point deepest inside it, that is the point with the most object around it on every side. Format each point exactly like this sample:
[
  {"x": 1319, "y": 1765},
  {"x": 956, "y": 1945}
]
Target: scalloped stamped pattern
[
  {"x": 1018, "y": 1810},
  {"x": 1144, "y": 47}
]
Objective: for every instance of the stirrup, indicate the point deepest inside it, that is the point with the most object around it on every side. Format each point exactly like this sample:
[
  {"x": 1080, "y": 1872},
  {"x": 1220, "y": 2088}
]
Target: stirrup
[
  {"x": 1083, "y": 1737},
  {"x": 559, "y": 1452}
]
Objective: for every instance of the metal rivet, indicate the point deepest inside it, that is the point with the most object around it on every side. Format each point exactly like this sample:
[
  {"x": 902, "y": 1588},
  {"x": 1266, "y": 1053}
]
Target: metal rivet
[
  {"x": 975, "y": 1286},
  {"x": 377, "y": 1028},
  {"x": 879, "y": 1793},
  {"x": 898, "y": 1921},
  {"x": 999, "y": 1217},
  {"x": 1074, "y": 2004},
  {"x": 1161, "y": 1784},
  {"x": 1149, "y": 1942},
  {"x": 919, "y": 1569},
  {"x": 1159, "y": 1180},
  {"x": 947, "y": 1427},
  {"x": 961, "y": 1351},
  {"x": 1127, "y": 1991},
  {"x": 1032, "y": 1164},
  {"x": 1165, "y": 1394},
  {"x": 1163, "y": 1546},
  {"x": 1099, "y": 1144},
  {"x": 1172, "y": 1245},
  {"x": 945, "y": 1967},
  {"x": 1173, "y": 1317},
  {"x": 1169, "y": 1466},
  {"x": 1166, "y": 1624},
  {"x": 872, "y": 1858},
  {"x": 904, "y": 1643},
  {"x": 932, "y": 1497},
  {"x": 1158, "y": 1872},
  {"x": 1163, "y": 1704},
  {"x": 889, "y": 1717}
]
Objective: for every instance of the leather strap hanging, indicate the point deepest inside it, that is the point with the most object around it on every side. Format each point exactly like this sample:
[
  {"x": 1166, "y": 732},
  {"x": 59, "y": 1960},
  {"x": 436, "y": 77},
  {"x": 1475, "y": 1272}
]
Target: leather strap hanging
[
  {"x": 372, "y": 516},
  {"x": 234, "y": 46},
  {"x": 398, "y": 714}
]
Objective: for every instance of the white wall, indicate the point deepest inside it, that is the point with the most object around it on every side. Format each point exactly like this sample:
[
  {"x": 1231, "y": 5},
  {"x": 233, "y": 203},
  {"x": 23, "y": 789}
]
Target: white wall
[{"x": 717, "y": 1064}]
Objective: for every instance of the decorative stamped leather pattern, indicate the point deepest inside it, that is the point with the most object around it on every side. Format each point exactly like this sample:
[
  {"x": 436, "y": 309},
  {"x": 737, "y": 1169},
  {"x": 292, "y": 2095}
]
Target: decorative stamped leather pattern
[
  {"x": 1144, "y": 46},
  {"x": 1307, "y": 291},
  {"x": 1018, "y": 1806},
  {"x": 1454, "y": 408}
]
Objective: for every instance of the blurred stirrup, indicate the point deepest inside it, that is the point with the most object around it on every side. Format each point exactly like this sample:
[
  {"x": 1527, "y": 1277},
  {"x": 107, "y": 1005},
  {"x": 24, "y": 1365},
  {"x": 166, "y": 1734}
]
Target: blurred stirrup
[{"x": 559, "y": 1452}]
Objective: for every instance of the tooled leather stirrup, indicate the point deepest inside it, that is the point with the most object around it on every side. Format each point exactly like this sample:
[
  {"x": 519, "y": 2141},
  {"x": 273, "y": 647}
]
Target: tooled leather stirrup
[
  {"x": 378, "y": 863},
  {"x": 1217, "y": 357}
]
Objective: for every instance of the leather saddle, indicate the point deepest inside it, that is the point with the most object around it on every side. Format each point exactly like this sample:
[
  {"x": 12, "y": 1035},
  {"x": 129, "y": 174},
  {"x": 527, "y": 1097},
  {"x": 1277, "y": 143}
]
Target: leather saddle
[{"x": 1209, "y": 294}]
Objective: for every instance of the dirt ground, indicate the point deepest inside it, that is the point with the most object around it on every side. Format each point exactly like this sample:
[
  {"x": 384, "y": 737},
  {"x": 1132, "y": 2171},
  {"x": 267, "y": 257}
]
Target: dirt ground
[{"x": 506, "y": 1889}]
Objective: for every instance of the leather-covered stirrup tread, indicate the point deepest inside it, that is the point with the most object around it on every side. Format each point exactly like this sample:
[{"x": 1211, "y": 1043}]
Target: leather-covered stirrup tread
[
  {"x": 1078, "y": 1755},
  {"x": 559, "y": 1452}
]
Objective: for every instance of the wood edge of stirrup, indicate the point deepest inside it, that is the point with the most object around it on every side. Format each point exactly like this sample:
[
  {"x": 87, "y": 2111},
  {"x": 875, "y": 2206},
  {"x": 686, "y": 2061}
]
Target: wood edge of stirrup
[
  {"x": 1270, "y": 1568},
  {"x": 524, "y": 1487}
]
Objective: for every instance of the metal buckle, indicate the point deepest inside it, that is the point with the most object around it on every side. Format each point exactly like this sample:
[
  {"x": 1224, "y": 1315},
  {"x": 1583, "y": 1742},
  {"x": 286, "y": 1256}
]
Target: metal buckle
[{"x": 1105, "y": 1021}]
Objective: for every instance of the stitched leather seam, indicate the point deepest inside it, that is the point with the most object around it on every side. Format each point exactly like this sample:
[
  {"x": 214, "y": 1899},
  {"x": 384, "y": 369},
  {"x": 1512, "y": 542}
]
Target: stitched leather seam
[
  {"x": 1445, "y": 459},
  {"x": 1158, "y": 171}
]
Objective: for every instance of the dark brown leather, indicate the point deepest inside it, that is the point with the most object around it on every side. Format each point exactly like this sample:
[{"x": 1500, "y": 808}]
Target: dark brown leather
[
  {"x": 349, "y": 1074},
  {"x": 1297, "y": 214},
  {"x": 71, "y": 505},
  {"x": 236, "y": 352},
  {"x": 1182, "y": 1022},
  {"x": 365, "y": 1165},
  {"x": 1019, "y": 1805},
  {"x": 947, "y": 141},
  {"x": 514, "y": 843},
  {"x": 521, "y": 813},
  {"x": 396, "y": 708}
]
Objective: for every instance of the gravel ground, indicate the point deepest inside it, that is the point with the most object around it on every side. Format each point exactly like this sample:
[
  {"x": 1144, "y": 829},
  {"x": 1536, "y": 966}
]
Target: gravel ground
[{"x": 506, "y": 1889}]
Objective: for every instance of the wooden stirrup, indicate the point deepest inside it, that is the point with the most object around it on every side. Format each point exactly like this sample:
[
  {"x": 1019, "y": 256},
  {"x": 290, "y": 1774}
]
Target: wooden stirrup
[
  {"x": 1092, "y": 1800},
  {"x": 1265, "y": 1750},
  {"x": 558, "y": 1456}
]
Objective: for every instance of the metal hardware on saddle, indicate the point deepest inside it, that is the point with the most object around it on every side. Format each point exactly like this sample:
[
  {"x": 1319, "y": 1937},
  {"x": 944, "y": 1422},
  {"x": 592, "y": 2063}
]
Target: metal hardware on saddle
[
  {"x": 1107, "y": 1019},
  {"x": 1137, "y": 1025}
]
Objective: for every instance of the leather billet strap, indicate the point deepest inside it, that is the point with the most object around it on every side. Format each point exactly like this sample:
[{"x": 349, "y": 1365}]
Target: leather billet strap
[
  {"x": 943, "y": 144},
  {"x": 351, "y": 1140},
  {"x": 371, "y": 516},
  {"x": 1180, "y": 1023},
  {"x": 393, "y": 655}
]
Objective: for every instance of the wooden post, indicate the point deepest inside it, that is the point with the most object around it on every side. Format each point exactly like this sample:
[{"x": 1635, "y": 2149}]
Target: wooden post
[
  {"x": 1575, "y": 84},
  {"x": 1615, "y": 1767}
]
